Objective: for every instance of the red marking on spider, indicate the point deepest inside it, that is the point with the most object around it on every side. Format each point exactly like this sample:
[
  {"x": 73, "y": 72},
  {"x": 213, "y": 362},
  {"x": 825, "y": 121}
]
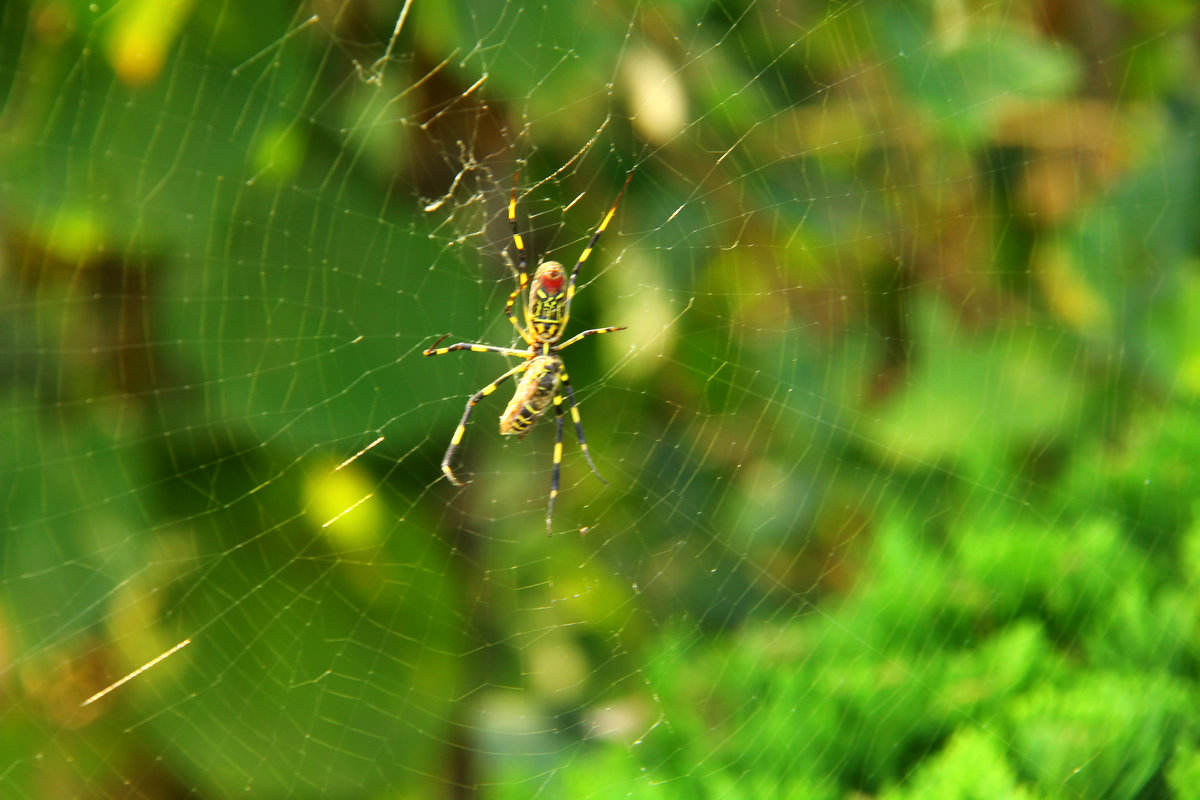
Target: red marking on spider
[{"x": 552, "y": 282}]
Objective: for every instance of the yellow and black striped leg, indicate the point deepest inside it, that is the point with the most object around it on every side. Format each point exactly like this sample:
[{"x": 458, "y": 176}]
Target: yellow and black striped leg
[
  {"x": 474, "y": 347},
  {"x": 508, "y": 312},
  {"x": 522, "y": 267},
  {"x": 587, "y": 251},
  {"x": 558, "y": 437},
  {"x": 566, "y": 384},
  {"x": 456, "y": 440},
  {"x": 518, "y": 242},
  {"x": 591, "y": 332}
]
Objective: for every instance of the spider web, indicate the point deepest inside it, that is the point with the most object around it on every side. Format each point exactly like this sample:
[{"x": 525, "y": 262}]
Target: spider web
[{"x": 900, "y": 435}]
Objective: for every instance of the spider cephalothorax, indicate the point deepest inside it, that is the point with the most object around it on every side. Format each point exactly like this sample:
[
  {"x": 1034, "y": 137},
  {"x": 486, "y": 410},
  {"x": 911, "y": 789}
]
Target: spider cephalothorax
[{"x": 546, "y": 313}]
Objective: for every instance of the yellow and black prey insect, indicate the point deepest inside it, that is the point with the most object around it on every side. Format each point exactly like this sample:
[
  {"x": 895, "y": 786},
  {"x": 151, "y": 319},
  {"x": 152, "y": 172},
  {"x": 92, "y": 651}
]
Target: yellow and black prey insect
[{"x": 541, "y": 376}]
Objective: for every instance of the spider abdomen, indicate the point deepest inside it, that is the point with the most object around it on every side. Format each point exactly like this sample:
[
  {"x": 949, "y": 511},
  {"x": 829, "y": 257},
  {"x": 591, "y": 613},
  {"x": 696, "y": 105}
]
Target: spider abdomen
[{"x": 535, "y": 391}]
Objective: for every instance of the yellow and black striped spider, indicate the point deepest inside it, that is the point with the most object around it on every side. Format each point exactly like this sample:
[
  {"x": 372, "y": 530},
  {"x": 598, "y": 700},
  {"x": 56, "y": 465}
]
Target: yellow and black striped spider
[{"x": 542, "y": 375}]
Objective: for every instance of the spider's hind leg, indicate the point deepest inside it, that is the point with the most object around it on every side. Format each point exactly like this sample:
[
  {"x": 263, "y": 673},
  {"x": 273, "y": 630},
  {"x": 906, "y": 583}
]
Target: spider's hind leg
[
  {"x": 456, "y": 440},
  {"x": 558, "y": 437},
  {"x": 566, "y": 382}
]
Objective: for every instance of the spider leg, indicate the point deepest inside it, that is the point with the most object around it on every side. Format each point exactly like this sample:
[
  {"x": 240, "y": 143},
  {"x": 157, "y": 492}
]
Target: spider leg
[
  {"x": 508, "y": 312},
  {"x": 591, "y": 332},
  {"x": 566, "y": 383},
  {"x": 462, "y": 425},
  {"x": 522, "y": 273},
  {"x": 558, "y": 437},
  {"x": 587, "y": 251},
  {"x": 474, "y": 347}
]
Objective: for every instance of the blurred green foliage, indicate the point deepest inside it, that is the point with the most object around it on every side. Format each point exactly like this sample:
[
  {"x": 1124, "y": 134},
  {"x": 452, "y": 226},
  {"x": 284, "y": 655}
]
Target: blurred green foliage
[{"x": 902, "y": 434}]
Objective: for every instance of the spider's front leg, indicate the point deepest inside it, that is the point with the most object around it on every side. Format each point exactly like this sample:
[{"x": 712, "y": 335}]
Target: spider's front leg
[{"x": 522, "y": 273}]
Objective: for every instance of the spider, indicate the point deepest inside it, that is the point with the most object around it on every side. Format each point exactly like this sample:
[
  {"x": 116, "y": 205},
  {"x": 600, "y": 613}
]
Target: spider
[{"x": 541, "y": 376}]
